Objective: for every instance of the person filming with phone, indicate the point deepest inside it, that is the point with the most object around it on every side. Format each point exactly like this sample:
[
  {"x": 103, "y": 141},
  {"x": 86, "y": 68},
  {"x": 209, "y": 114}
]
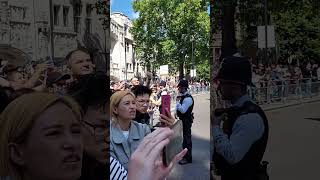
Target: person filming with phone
[{"x": 184, "y": 109}]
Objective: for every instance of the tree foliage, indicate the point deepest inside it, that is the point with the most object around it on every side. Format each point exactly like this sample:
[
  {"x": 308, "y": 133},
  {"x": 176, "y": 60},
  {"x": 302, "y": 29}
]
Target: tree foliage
[
  {"x": 165, "y": 30},
  {"x": 298, "y": 30},
  {"x": 296, "y": 25}
]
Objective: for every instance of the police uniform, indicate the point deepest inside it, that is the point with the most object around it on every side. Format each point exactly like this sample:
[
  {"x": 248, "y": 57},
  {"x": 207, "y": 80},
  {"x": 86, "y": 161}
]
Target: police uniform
[
  {"x": 240, "y": 143},
  {"x": 184, "y": 111}
]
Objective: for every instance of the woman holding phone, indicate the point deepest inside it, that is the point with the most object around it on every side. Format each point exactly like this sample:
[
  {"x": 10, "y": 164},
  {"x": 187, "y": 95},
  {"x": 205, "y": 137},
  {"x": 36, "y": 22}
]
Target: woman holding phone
[{"x": 127, "y": 134}]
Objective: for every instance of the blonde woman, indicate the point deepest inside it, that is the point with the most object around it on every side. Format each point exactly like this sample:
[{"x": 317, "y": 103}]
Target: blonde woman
[
  {"x": 40, "y": 137},
  {"x": 126, "y": 134}
]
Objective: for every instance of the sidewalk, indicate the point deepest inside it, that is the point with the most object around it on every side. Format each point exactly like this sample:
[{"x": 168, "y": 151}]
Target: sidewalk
[{"x": 279, "y": 105}]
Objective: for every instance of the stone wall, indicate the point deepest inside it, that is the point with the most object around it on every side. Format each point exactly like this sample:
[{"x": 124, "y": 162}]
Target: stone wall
[{"x": 25, "y": 24}]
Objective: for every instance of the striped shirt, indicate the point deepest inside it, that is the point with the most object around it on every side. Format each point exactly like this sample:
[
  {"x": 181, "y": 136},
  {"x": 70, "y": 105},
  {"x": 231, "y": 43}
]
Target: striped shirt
[{"x": 117, "y": 171}]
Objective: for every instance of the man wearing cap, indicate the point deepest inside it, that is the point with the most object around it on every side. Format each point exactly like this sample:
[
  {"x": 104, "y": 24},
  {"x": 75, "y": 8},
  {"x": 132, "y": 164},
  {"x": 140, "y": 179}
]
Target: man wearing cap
[
  {"x": 16, "y": 79},
  {"x": 241, "y": 141},
  {"x": 184, "y": 109}
]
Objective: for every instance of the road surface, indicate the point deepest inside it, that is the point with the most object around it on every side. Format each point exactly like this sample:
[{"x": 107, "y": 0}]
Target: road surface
[{"x": 199, "y": 169}]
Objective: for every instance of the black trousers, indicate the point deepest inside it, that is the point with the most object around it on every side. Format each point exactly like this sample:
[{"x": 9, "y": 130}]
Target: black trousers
[{"x": 187, "y": 142}]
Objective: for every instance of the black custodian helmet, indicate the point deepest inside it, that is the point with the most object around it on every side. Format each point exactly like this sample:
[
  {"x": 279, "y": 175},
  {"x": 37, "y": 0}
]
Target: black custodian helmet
[
  {"x": 235, "y": 69},
  {"x": 183, "y": 83}
]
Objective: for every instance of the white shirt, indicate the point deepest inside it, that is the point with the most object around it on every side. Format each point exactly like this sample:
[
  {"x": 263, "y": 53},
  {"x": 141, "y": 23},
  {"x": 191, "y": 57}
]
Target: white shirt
[
  {"x": 186, "y": 103},
  {"x": 125, "y": 134},
  {"x": 164, "y": 93}
]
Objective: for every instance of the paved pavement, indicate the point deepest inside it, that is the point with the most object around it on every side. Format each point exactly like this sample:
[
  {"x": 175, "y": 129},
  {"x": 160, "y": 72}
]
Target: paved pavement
[
  {"x": 199, "y": 169},
  {"x": 294, "y": 142}
]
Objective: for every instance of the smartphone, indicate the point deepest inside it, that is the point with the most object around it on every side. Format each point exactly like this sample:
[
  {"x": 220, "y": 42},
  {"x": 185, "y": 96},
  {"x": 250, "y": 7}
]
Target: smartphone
[
  {"x": 175, "y": 145},
  {"x": 165, "y": 103}
]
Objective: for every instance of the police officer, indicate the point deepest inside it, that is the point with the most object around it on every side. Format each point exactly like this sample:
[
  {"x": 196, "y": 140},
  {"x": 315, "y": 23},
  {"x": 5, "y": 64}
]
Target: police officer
[
  {"x": 184, "y": 109},
  {"x": 241, "y": 141}
]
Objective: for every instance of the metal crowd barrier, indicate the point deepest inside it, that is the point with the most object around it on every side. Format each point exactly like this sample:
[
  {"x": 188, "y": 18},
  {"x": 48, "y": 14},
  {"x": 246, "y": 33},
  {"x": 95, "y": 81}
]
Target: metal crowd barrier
[
  {"x": 197, "y": 89},
  {"x": 193, "y": 89},
  {"x": 267, "y": 92}
]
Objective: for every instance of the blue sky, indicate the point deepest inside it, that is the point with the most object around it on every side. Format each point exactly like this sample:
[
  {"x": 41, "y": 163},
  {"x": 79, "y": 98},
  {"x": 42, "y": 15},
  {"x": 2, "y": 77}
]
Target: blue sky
[{"x": 123, "y": 6}]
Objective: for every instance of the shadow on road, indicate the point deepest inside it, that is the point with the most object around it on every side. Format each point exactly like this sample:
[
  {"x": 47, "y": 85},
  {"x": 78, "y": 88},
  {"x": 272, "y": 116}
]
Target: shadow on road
[
  {"x": 314, "y": 119},
  {"x": 199, "y": 168}
]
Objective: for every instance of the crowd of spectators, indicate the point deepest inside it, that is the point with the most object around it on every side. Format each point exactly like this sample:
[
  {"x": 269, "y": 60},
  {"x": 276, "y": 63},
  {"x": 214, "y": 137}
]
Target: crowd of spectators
[
  {"x": 54, "y": 124},
  {"x": 169, "y": 85},
  {"x": 280, "y": 80},
  {"x": 44, "y": 77}
]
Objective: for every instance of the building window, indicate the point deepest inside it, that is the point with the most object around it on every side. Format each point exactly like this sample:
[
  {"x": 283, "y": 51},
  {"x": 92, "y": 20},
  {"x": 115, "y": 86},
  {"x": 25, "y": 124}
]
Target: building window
[
  {"x": 125, "y": 29},
  {"x": 65, "y": 16},
  {"x": 89, "y": 10},
  {"x": 24, "y": 10},
  {"x": 56, "y": 10},
  {"x": 88, "y": 25},
  {"x": 76, "y": 24},
  {"x": 77, "y": 10},
  {"x": 127, "y": 47},
  {"x": 77, "y": 17}
]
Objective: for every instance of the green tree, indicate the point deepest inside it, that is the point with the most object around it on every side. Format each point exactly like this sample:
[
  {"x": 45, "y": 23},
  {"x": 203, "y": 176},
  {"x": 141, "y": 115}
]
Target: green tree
[
  {"x": 203, "y": 70},
  {"x": 166, "y": 29},
  {"x": 298, "y": 30}
]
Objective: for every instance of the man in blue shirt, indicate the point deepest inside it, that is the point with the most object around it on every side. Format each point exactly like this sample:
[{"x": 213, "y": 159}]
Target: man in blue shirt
[{"x": 184, "y": 109}]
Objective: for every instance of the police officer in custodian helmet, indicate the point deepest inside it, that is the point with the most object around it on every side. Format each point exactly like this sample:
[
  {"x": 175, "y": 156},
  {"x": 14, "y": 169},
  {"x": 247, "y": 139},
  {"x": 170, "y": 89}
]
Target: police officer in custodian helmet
[
  {"x": 184, "y": 109},
  {"x": 240, "y": 132}
]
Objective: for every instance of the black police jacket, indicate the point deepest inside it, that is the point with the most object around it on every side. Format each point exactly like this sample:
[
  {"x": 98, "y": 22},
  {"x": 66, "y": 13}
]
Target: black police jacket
[
  {"x": 248, "y": 166},
  {"x": 188, "y": 114}
]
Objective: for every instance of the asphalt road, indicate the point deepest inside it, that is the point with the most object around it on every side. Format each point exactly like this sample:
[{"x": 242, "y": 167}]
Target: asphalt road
[
  {"x": 199, "y": 169},
  {"x": 293, "y": 149},
  {"x": 294, "y": 143}
]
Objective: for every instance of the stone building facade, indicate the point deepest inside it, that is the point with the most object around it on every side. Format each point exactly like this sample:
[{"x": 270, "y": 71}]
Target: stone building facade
[
  {"x": 123, "y": 62},
  {"x": 43, "y": 29}
]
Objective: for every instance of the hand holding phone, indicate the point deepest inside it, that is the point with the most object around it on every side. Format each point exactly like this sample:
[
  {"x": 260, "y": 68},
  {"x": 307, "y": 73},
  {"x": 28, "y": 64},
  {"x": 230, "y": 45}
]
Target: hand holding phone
[
  {"x": 165, "y": 103},
  {"x": 175, "y": 144},
  {"x": 167, "y": 118},
  {"x": 145, "y": 162}
]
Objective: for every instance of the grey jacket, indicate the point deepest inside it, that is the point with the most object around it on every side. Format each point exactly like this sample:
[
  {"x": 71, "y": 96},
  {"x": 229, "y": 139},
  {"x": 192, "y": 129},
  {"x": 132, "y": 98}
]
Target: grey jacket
[{"x": 120, "y": 148}]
